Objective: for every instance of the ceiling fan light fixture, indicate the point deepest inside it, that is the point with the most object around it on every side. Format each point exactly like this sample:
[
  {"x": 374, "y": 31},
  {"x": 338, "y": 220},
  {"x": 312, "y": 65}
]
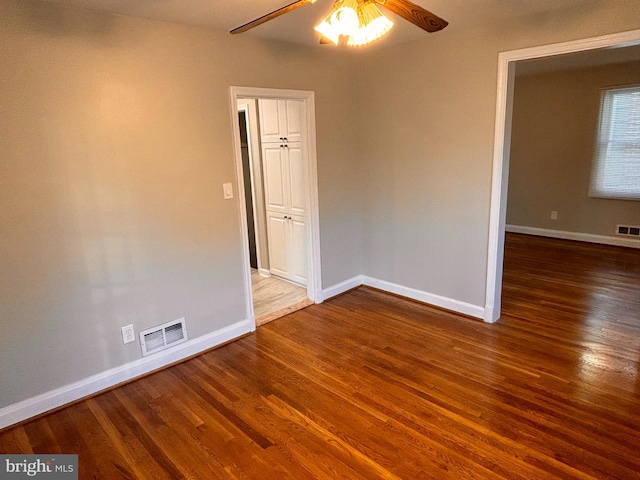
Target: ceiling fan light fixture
[
  {"x": 373, "y": 25},
  {"x": 342, "y": 20},
  {"x": 359, "y": 21}
]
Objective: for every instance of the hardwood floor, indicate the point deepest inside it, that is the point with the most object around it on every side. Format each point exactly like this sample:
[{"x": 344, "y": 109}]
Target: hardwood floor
[
  {"x": 274, "y": 298},
  {"x": 369, "y": 385}
]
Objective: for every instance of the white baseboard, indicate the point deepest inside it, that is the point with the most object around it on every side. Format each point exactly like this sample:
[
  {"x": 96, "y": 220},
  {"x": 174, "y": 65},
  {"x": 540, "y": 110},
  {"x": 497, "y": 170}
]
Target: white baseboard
[
  {"x": 39, "y": 404},
  {"x": 342, "y": 287},
  {"x": 265, "y": 272},
  {"x": 489, "y": 314},
  {"x": 430, "y": 298},
  {"x": 31, "y": 407},
  {"x": 426, "y": 297},
  {"x": 581, "y": 237}
]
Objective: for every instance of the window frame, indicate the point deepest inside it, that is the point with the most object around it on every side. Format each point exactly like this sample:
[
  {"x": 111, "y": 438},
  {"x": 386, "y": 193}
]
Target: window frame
[{"x": 596, "y": 190}]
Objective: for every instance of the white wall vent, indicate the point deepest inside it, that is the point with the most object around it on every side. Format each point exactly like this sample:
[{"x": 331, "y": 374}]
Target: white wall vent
[
  {"x": 632, "y": 230},
  {"x": 163, "y": 336}
]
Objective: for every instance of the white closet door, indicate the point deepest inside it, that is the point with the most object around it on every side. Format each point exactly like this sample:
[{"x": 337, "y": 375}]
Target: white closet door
[
  {"x": 278, "y": 232},
  {"x": 297, "y": 250},
  {"x": 287, "y": 247},
  {"x": 270, "y": 122},
  {"x": 276, "y": 177},
  {"x": 292, "y": 125},
  {"x": 280, "y": 120},
  {"x": 283, "y": 167},
  {"x": 297, "y": 191}
]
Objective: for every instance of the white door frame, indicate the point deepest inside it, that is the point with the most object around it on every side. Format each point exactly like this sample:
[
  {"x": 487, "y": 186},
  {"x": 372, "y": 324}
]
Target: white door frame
[
  {"x": 502, "y": 144},
  {"x": 314, "y": 281}
]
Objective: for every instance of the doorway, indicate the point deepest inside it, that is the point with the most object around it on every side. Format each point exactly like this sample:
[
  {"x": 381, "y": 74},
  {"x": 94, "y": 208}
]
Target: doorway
[
  {"x": 502, "y": 145},
  {"x": 269, "y": 297},
  {"x": 248, "y": 182}
]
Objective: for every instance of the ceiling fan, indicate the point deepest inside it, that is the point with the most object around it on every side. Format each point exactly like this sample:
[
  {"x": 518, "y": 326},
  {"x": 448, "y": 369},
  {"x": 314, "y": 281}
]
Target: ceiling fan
[{"x": 359, "y": 21}]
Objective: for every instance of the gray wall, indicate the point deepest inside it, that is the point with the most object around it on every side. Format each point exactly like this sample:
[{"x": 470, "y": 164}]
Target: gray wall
[
  {"x": 427, "y": 119},
  {"x": 115, "y": 140},
  {"x": 115, "y": 137},
  {"x": 554, "y": 133}
]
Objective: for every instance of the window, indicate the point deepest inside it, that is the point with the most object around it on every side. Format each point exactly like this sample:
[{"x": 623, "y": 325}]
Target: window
[{"x": 616, "y": 167}]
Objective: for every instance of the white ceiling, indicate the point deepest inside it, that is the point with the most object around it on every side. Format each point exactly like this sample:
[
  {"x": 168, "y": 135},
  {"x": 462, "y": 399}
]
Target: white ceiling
[{"x": 297, "y": 26}]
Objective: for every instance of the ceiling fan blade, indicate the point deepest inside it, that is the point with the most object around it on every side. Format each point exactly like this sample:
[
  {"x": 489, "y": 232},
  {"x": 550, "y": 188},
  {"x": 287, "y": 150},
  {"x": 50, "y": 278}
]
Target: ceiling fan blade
[
  {"x": 271, "y": 16},
  {"x": 415, "y": 14}
]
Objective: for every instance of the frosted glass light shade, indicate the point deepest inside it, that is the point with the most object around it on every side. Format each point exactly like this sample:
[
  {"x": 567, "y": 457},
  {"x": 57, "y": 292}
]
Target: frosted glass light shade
[
  {"x": 359, "y": 23},
  {"x": 342, "y": 20},
  {"x": 373, "y": 25}
]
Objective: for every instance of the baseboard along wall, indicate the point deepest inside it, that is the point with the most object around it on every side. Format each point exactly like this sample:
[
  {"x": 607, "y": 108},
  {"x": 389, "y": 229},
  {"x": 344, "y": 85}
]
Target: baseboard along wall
[
  {"x": 580, "y": 237},
  {"x": 412, "y": 293},
  {"x": 59, "y": 397}
]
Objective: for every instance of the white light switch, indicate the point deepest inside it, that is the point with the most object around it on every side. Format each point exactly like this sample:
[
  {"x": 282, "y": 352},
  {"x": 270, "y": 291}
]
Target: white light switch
[{"x": 228, "y": 190}]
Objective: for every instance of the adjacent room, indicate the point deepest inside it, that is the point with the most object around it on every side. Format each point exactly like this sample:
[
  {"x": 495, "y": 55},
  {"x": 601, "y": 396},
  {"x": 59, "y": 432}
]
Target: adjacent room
[{"x": 460, "y": 291}]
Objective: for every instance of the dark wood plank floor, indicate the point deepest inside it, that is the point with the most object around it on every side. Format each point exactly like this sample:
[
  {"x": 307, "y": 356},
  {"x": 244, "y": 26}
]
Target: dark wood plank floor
[{"x": 369, "y": 385}]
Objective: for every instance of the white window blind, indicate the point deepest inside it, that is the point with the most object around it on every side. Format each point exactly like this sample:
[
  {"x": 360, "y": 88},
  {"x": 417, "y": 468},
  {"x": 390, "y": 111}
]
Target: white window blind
[{"x": 616, "y": 166}]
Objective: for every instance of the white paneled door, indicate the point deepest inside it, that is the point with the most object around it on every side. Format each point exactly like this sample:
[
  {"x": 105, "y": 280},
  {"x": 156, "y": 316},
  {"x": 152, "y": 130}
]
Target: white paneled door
[
  {"x": 284, "y": 172},
  {"x": 276, "y": 177},
  {"x": 280, "y": 120},
  {"x": 287, "y": 246}
]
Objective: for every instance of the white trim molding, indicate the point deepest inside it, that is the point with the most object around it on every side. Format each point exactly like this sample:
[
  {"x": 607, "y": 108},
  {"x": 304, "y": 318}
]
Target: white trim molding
[
  {"x": 408, "y": 292},
  {"x": 314, "y": 264},
  {"x": 426, "y": 297},
  {"x": 59, "y": 397},
  {"x": 342, "y": 287},
  {"x": 502, "y": 139},
  {"x": 577, "y": 236}
]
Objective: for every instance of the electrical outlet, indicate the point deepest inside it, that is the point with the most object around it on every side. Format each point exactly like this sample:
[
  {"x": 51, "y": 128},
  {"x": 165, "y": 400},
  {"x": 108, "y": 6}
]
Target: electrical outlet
[
  {"x": 554, "y": 215},
  {"x": 128, "y": 334}
]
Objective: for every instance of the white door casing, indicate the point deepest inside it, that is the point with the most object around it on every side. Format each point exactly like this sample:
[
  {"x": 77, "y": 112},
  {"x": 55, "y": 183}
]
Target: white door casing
[
  {"x": 312, "y": 222},
  {"x": 502, "y": 140}
]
